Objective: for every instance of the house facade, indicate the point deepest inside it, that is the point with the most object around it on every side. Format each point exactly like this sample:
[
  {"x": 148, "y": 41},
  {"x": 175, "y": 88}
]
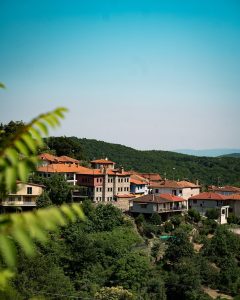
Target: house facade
[
  {"x": 225, "y": 190},
  {"x": 208, "y": 200},
  {"x": 105, "y": 184},
  {"x": 25, "y": 196},
  {"x": 184, "y": 189},
  {"x": 162, "y": 204},
  {"x": 138, "y": 185}
]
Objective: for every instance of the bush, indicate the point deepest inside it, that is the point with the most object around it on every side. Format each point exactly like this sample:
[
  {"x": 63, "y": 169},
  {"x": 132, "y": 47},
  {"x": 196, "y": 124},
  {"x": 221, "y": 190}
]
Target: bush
[
  {"x": 212, "y": 214},
  {"x": 194, "y": 215}
]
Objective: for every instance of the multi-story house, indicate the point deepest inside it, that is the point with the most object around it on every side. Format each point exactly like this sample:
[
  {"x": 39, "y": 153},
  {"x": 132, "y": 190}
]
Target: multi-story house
[
  {"x": 207, "y": 200},
  {"x": 224, "y": 190},
  {"x": 24, "y": 197},
  {"x": 184, "y": 189},
  {"x": 105, "y": 184},
  {"x": 103, "y": 163},
  {"x": 47, "y": 159},
  {"x": 69, "y": 171},
  {"x": 138, "y": 185},
  {"x": 163, "y": 204}
]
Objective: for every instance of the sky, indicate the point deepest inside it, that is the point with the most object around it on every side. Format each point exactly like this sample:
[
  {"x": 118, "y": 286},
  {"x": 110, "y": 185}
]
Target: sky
[{"x": 150, "y": 74}]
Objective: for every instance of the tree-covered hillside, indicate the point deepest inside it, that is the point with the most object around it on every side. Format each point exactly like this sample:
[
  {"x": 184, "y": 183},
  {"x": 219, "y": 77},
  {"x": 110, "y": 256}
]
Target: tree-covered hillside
[{"x": 208, "y": 170}]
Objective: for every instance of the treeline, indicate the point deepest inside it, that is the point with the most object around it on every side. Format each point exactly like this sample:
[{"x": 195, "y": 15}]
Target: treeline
[{"x": 208, "y": 170}]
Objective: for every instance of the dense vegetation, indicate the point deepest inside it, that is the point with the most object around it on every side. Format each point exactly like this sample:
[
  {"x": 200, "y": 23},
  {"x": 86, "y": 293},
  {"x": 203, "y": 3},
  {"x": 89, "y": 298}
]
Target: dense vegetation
[
  {"x": 113, "y": 256},
  {"x": 208, "y": 170}
]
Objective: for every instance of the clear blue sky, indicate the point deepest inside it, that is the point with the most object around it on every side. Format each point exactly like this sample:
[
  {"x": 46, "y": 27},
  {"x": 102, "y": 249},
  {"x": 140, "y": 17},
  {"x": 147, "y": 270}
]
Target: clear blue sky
[{"x": 147, "y": 74}]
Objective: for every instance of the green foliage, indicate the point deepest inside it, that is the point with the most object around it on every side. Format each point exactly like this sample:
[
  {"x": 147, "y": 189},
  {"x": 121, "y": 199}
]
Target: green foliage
[
  {"x": 212, "y": 213},
  {"x": 131, "y": 271},
  {"x": 223, "y": 244},
  {"x": 179, "y": 246},
  {"x": 155, "y": 219},
  {"x": 168, "y": 226},
  {"x": 232, "y": 219},
  {"x": 43, "y": 200},
  {"x": 18, "y": 152},
  {"x": 206, "y": 169},
  {"x": 59, "y": 191},
  {"x": 194, "y": 215},
  {"x": 113, "y": 293}
]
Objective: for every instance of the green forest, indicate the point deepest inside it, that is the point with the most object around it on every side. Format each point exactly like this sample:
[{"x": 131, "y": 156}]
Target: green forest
[
  {"x": 208, "y": 170},
  {"x": 110, "y": 255}
]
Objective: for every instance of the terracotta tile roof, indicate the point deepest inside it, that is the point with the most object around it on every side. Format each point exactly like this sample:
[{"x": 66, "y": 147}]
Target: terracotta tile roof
[
  {"x": 233, "y": 197},
  {"x": 65, "y": 158},
  {"x": 151, "y": 176},
  {"x": 227, "y": 188},
  {"x": 136, "y": 179},
  {"x": 208, "y": 196},
  {"x": 49, "y": 157},
  {"x": 174, "y": 184},
  {"x": 162, "y": 198},
  {"x": 63, "y": 168},
  {"x": 125, "y": 196},
  {"x": 102, "y": 161}
]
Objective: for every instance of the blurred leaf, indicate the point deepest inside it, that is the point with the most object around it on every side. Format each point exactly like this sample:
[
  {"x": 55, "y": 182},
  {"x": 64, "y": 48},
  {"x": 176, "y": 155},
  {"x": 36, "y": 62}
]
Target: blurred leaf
[{"x": 8, "y": 250}]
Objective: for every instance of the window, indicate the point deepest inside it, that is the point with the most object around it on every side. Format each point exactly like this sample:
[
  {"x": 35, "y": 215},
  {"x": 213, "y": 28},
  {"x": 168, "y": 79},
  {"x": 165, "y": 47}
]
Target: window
[
  {"x": 156, "y": 191},
  {"x": 195, "y": 201},
  {"x": 174, "y": 192},
  {"x": 143, "y": 205},
  {"x": 29, "y": 190}
]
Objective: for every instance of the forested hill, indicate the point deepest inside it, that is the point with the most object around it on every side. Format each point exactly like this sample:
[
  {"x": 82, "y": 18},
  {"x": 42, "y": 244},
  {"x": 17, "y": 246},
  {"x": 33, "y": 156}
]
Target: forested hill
[{"x": 208, "y": 170}]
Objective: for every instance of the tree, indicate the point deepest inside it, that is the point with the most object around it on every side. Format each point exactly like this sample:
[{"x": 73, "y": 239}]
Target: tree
[
  {"x": 212, "y": 213},
  {"x": 155, "y": 219},
  {"x": 59, "y": 191},
  {"x": 179, "y": 246},
  {"x": 113, "y": 293},
  {"x": 43, "y": 200},
  {"x": 194, "y": 215}
]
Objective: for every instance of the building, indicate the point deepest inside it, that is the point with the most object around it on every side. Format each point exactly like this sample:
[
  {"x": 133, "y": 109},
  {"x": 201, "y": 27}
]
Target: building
[
  {"x": 25, "y": 196},
  {"x": 105, "y": 184},
  {"x": 69, "y": 171},
  {"x": 184, "y": 189},
  {"x": 233, "y": 201},
  {"x": 138, "y": 185},
  {"x": 103, "y": 163},
  {"x": 207, "y": 200},
  {"x": 224, "y": 190},
  {"x": 47, "y": 159},
  {"x": 162, "y": 204}
]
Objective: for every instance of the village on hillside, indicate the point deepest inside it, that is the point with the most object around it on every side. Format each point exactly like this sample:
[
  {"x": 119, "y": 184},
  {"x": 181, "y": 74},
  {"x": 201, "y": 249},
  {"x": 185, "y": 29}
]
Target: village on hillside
[{"x": 132, "y": 192}]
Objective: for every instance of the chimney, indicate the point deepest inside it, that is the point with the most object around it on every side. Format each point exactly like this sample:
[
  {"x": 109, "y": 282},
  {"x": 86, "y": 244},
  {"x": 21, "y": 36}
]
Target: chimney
[
  {"x": 197, "y": 182},
  {"x": 121, "y": 170}
]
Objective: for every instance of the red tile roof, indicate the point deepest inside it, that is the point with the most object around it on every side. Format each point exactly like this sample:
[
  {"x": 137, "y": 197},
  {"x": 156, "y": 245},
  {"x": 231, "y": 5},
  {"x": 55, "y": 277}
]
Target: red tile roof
[
  {"x": 102, "y": 161},
  {"x": 49, "y": 157},
  {"x": 162, "y": 198},
  {"x": 136, "y": 179},
  {"x": 125, "y": 196},
  {"x": 65, "y": 158},
  {"x": 174, "y": 184},
  {"x": 151, "y": 176},
  {"x": 63, "y": 168},
  {"x": 227, "y": 188},
  {"x": 208, "y": 196},
  {"x": 233, "y": 197}
]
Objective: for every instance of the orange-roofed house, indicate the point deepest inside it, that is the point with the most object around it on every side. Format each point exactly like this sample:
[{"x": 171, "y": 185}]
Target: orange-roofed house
[
  {"x": 207, "y": 200},
  {"x": 69, "y": 171},
  {"x": 47, "y": 159},
  {"x": 163, "y": 204},
  {"x": 105, "y": 184},
  {"x": 184, "y": 189},
  {"x": 138, "y": 185},
  {"x": 233, "y": 201},
  {"x": 102, "y": 163},
  {"x": 225, "y": 190}
]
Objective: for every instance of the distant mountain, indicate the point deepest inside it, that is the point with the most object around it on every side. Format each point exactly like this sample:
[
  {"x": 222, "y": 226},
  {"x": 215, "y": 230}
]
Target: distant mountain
[
  {"x": 209, "y": 152},
  {"x": 237, "y": 155},
  {"x": 172, "y": 165}
]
